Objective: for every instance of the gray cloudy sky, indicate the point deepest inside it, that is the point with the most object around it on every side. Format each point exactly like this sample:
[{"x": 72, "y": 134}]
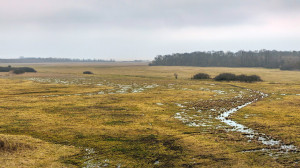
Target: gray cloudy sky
[{"x": 142, "y": 29}]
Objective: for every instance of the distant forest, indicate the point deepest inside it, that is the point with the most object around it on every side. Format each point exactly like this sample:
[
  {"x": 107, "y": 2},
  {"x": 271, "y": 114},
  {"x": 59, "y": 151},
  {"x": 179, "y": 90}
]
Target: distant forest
[
  {"x": 285, "y": 60},
  {"x": 54, "y": 60}
]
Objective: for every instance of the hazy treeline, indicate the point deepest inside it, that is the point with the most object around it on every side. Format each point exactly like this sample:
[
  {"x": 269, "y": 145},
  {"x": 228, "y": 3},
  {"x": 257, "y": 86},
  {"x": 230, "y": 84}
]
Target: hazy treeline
[
  {"x": 285, "y": 60},
  {"x": 42, "y": 60}
]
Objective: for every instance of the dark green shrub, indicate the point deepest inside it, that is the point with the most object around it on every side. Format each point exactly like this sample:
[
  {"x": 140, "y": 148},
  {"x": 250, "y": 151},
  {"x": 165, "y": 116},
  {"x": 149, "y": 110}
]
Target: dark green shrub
[
  {"x": 245, "y": 78},
  {"x": 201, "y": 76},
  {"x": 9, "y": 68},
  {"x": 225, "y": 77},
  {"x": 26, "y": 69},
  {"x": 18, "y": 71},
  {"x": 5, "y": 69},
  {"x": 87, "y": 72},
  {"x": 241, "y": 78},
  {"x": 254, "y": 78}
]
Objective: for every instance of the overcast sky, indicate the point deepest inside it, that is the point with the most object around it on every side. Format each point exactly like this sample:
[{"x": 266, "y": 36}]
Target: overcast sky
[{"x": 142, "y": 29}]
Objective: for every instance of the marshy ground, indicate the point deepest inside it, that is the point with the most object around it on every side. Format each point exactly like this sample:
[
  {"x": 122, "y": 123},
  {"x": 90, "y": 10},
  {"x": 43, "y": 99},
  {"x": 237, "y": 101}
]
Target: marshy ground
[{"x": 134, "y": 115}]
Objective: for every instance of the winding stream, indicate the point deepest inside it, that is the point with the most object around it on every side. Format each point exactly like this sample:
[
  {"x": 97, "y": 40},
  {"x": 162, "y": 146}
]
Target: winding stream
[
  {"x": 251, "y": 134},
  {"x": 275, "y": 147}
]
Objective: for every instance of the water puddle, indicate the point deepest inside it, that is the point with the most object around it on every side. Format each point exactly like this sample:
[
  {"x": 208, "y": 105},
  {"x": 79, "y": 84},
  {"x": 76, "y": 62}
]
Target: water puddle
[
  {"x": 192, "y": 118},
  {"x": 116, "y": 88},
  {"x": 91, "y": 162}
]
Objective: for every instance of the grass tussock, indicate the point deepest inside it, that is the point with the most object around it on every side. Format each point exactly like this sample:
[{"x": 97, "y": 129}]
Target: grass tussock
[
  {"x": 24, "y": 151},
  {"x": 12, "y": 144}
]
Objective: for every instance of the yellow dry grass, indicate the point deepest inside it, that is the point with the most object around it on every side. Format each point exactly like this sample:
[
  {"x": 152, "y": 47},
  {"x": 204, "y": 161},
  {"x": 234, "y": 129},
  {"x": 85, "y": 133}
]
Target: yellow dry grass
[
  {"x": 112, "y": 127},
  {"x": 24, "y": 151}
]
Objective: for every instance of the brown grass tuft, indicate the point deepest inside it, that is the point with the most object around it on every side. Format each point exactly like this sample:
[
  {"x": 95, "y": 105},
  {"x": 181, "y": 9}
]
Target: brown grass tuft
[{"x": 11, "y": 144}]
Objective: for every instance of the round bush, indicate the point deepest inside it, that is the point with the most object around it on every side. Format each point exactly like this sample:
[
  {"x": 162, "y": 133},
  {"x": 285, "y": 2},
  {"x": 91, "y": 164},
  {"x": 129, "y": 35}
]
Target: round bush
[
  {"x": 87, "y": 72},
  {"x": 27, "y": 69},
  {"x": 201, "y": 76},
  {"x": 254, "y": 78},
  {"x": 241, "y": 78},
  {"x": 225, "y": 77},
  {"x": 18, "y": 71}
]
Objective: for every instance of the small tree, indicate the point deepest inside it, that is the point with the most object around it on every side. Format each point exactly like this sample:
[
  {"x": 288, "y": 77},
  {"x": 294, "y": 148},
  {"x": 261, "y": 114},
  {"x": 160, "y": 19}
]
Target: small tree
[{"x": 175, "y": 75}]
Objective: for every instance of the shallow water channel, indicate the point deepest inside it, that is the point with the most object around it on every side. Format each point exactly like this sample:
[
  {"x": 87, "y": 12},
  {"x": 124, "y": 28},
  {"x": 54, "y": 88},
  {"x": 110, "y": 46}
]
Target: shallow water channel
[{"x": 275, "y": 147}]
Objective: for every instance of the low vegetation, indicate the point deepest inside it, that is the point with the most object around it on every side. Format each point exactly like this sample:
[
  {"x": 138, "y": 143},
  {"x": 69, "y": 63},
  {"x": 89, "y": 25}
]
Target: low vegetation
[
  {"x": 87, "y": 72},
  {"x": 25, "y": 151},
  {"x": 17, "y": 70},
  {"x": 229, "y": 77},
  {"x": 125, "y": 116},
  {"x": 233, "y": 77},
  {"x": 201, "y": 76},
  {"x": 7, "y": 144}
]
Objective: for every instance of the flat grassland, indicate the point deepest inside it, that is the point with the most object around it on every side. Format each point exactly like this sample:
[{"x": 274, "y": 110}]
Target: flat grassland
[{"x": 134, "y": 115}]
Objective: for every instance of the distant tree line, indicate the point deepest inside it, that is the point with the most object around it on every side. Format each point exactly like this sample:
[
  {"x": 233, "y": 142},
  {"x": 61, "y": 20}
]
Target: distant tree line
[
  {"x": 45, "y": 60},
  {"x": 285, "y": 60}
]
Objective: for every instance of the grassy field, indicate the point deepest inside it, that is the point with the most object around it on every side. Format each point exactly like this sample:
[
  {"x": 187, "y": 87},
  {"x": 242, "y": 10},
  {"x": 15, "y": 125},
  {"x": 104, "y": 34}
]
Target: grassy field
[{"x": 134, "y": 115}]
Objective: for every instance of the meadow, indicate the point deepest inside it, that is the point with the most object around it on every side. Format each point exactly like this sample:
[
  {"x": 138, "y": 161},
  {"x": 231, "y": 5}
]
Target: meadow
[{"x": 135, "y": 115}]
